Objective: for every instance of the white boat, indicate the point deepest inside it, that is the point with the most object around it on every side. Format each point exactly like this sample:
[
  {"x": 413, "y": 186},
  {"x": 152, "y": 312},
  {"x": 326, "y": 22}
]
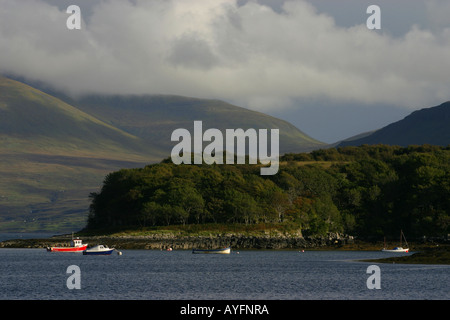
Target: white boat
[
  {"x": 98, "y": 250},
  {"x": 399, "y": 248},
  {"x": 396, "y": 249},
  {"x": 222, "y": 251}
]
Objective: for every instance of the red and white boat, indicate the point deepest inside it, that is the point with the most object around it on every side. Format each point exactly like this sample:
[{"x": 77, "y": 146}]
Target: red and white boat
[{"x": 76, "y": 245}]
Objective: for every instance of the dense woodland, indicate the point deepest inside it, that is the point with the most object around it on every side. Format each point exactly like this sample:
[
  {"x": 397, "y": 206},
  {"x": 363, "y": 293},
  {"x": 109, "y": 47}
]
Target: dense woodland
[{"x": 367, "y": 191}]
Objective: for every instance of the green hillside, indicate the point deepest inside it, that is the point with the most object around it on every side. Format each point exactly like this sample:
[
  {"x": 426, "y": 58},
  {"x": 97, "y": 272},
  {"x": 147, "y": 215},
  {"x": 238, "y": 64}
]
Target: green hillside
[
  {"x": 53, "y": 155},
  {"x": 33, "y": 121},
  {"x": 366, "y": 191}
]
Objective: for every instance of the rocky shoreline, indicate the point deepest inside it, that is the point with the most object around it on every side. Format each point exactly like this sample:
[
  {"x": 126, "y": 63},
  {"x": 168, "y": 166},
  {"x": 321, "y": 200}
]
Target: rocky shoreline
[{"x": 166, "y": 241}]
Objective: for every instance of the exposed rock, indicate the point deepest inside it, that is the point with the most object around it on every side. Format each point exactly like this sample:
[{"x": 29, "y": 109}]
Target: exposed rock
[{"x": 165, "y": 241}]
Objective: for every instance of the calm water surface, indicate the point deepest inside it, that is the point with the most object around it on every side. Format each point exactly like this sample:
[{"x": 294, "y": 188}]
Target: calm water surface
[{"x": 150, "y": 274}]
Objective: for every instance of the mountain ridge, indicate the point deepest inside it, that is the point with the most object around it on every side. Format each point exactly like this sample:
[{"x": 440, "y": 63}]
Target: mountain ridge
[
  {"x": 429, "y": 125},
  {"x": 160, "y": 115},
  {"x": 30, "y": 115}
]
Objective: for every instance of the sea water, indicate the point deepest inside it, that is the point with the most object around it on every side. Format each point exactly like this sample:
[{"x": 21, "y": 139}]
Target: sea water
[{"x": 35, "y": 274}]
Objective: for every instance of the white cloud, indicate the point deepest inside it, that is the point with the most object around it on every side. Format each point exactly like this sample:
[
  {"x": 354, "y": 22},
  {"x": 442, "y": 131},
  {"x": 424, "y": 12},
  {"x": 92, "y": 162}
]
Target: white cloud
[{"x": 248, "y": 54}]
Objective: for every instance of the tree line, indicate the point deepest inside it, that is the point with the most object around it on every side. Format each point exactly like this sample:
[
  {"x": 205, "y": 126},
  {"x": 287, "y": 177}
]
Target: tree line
[{"x": 365, "y": 191}]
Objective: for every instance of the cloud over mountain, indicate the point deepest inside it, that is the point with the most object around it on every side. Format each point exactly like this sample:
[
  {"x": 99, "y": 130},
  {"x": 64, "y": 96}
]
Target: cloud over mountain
[{"x": 243, "y": 51}]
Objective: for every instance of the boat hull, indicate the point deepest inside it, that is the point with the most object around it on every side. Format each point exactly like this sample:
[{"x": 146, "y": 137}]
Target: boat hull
[
  {"x": 219, "y": 251},
  {"x": 98, "y": 253},
  {"x": 67, "y": 249},
  {"x": 399, "y": 250}
]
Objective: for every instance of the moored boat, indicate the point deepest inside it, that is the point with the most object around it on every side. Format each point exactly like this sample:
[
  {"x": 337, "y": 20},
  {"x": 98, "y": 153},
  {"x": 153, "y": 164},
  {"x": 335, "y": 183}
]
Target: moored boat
[
  {"x": 98, "y": 250},
  {"x": 400, "y": 248},
  {"x": 226, "y": 250},
  {"x": 76, "y": 245},
  {"x": 396, "y": 249}
]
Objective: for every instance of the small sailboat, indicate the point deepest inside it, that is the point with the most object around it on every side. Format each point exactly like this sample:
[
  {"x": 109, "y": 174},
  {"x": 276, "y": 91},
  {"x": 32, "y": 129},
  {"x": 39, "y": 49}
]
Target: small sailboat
[
  {"x": 226, "y": 250},
  {"x": 399, "y": 248}
]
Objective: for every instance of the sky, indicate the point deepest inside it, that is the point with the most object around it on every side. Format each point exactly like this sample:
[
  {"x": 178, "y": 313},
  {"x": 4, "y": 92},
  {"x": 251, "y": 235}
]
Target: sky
[{"x": 314, "y": 63}]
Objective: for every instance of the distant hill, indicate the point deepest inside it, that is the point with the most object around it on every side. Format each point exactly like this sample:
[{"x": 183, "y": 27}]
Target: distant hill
[
  {"x": 425, "y": 126},
  {"x": 52, "y": 156},
  {"x": 55, "y": 150},
  {"x": 32, "y": 121},
  {"x": 153, "y": 118}
]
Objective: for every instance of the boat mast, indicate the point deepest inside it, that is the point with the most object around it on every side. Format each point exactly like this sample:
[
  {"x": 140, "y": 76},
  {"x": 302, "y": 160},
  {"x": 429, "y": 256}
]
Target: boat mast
[{"x": 402, "y": 234}]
